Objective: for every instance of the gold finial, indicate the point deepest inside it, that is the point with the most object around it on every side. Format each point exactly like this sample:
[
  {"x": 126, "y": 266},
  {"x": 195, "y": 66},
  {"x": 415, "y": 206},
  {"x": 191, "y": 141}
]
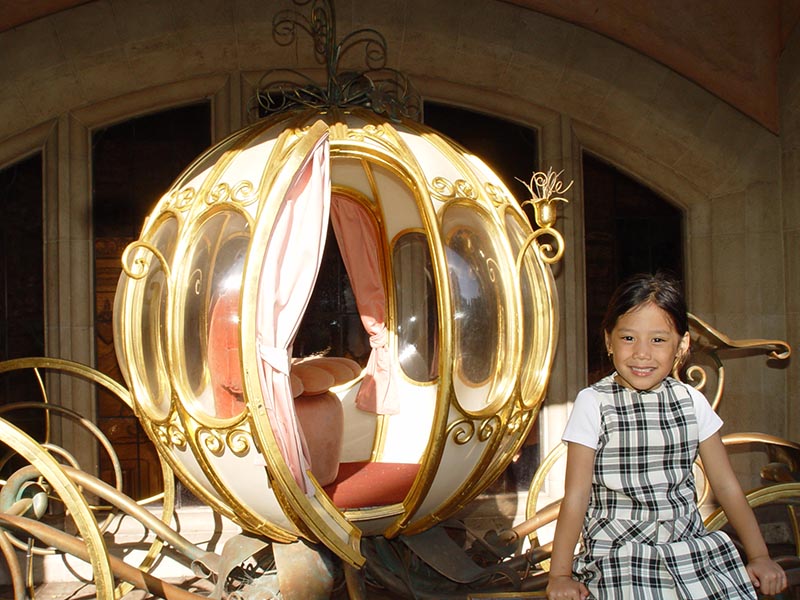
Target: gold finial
[{"x": 546, "y": 190}]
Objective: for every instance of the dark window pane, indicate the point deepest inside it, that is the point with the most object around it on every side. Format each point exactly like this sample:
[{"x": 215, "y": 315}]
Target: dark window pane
[
  {"x": 629, "y": 229},
  {"x": 21, "y": 290}
]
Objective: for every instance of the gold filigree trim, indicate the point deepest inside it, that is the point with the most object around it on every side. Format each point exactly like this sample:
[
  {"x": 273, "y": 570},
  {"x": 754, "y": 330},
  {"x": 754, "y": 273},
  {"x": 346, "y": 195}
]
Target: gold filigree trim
[
  {"x": 211, "y": 440},
  {"x": 239, "y": 441},
  {"x": 137, "y": 266},
  {"x": 181, "y": 199},
  {"x": 489, "y": 427},
  {"x": 443, "y": 189},
  {"x": 550, "y": 252},
  {"x": 171, "y": 435},
  {"x": 241, "y": 193},
  {"x": 464, "y": 430},
  {"x": 495, "y": 193}
]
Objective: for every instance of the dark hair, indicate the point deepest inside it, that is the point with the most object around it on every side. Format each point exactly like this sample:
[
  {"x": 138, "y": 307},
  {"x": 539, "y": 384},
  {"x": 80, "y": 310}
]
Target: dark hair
[{"x": 661, "y": 289}]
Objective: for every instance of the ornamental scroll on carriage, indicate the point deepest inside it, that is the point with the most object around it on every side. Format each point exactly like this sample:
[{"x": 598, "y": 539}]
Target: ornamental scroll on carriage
[{"x": 453, "y": 290}]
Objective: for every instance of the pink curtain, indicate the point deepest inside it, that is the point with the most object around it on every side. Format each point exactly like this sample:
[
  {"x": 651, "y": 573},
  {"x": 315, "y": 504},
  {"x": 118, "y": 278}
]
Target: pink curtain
[
  {"x": 357, "y": 235},
  {"x": 288, "y": 274}
]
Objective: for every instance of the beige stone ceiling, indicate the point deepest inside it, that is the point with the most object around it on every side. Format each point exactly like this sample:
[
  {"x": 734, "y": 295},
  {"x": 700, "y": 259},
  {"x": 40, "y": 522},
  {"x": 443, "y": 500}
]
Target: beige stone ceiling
[{"x": 730, "y": 47}]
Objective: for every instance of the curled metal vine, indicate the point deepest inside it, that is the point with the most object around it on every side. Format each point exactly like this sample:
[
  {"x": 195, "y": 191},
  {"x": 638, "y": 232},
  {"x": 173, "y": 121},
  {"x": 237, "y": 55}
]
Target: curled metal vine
[{"x": 382, "y": 89}]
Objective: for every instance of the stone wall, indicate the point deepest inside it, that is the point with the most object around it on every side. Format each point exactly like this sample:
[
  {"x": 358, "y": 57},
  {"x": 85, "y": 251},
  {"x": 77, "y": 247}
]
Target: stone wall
[{"x": 108, "y": 60}]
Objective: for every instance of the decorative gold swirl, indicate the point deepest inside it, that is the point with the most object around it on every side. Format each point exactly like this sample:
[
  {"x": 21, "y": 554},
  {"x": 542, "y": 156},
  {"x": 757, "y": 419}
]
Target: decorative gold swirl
[
  {"x": 463, "y": 431},
  {"x": 697, "y": 377},
  {"x": 211, "y": 440},
  {"x": 172, "y": 435},
  {"x": 495, "y": 194},
  {"x": 239, "y": 441},
  {"x": 241, "y": 193},
  {"x": 547, "y": 252},
  {"x": 443, "y": 189},
  {"x": 181, "y": 199},
  {"x": 489, "y": 427},
  {"x": 517, "y": 419},
  {"x": 139, "y": 266}
]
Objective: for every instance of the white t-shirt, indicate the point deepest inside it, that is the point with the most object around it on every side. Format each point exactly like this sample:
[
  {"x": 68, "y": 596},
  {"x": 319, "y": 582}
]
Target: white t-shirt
[{"x": 583, "y": 426}]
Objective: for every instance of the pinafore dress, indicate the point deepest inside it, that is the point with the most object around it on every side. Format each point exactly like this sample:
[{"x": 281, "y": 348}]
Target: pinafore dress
[{"x": 643, "y": 537}]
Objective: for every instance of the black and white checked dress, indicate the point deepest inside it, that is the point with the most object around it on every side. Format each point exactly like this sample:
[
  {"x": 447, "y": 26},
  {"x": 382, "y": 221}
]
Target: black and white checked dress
[{"x": 643, "y": 537}]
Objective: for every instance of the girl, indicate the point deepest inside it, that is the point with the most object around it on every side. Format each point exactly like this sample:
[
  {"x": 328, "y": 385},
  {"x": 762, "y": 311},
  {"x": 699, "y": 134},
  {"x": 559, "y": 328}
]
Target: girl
[{"x": 632, "y": 440}]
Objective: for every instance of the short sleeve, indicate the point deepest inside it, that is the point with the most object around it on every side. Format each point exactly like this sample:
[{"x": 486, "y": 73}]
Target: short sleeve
[
  {"x": 708, "y": 422},
  {"x": 583, "y": 425}
]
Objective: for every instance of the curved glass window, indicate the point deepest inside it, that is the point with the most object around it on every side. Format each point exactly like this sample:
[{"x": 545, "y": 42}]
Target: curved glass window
[
  {"x": 479, "y": 302},
  {"x": 213, "y": 279},
  {"x": 415, "y": 307},
  {"x": 150, "y": 294},
  {"x": 536, "y": 319}
]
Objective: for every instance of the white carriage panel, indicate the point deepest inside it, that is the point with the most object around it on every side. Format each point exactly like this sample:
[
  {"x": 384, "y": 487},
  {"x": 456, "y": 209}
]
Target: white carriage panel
[
  {"x": 349, "y": 173},
  {"x": 247, "y": 474},
  {"x": 190, "y": 464},
  {"x": 397, "y": 203},
  {"x": 359, "y": 428},
  {"x": 247, "y": 167},
  {"x": 433, "y": 163},
  {"x": 457, "y": 463},
  {"x": 408, "y": 431}
]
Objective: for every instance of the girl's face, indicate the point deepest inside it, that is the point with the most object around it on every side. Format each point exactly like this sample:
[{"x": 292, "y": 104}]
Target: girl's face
[{"x": 644, "y": 346}]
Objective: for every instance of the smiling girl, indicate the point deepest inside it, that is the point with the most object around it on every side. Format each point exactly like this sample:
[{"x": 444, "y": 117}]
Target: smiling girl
[{"x": 632, "y": 441}]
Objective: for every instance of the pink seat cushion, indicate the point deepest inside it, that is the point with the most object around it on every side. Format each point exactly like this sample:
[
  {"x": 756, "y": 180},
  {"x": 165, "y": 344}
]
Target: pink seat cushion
[{"x": 364, "y": 484}]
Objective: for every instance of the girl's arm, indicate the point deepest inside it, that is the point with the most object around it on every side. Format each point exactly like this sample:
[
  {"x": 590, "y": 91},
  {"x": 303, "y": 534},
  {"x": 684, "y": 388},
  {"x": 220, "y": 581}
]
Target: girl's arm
[
  {"x": 765, "y": 574},
  {"x": 578, "y": 486}
]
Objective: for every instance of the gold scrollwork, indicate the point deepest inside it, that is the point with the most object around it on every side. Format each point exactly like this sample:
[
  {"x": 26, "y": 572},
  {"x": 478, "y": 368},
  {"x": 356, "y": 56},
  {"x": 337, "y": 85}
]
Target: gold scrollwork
[
  {"x": 240, "y": 193},
  {"x": 211, "y": 440},
  {"x": 177, "y": 436},
  {"x": 181, "y": 199},
  {"x": 138, "y": 267},
  {"x": 549, "y": 252},
  {"x": 463, "y": 431},
  {"x": 239, "y": 441},
  {"x": 697, "y": 377},
  {"x": 443, "y": 189},
  {"x": 495, "y": 193},
  {"x": 489, "y": 427},
  {"x": 516, "y": 421}
]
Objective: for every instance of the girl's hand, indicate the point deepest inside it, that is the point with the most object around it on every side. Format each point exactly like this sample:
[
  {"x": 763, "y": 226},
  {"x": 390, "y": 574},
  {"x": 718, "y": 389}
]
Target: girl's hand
[
  {"x": 767, "y": 575},
  {"x": 566, "y": 588}
]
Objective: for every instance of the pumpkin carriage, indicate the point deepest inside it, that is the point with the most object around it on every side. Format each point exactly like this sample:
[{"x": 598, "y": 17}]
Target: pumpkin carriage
[{"x": 339, "y": 469}]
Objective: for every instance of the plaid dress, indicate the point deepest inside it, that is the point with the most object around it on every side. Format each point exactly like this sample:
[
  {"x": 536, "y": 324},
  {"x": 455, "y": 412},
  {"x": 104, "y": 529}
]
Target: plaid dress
[{"x": 643, "y": 537}]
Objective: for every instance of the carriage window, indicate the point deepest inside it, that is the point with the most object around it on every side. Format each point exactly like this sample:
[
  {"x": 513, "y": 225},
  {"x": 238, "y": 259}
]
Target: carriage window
[{"x": 417, "y": 315}]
